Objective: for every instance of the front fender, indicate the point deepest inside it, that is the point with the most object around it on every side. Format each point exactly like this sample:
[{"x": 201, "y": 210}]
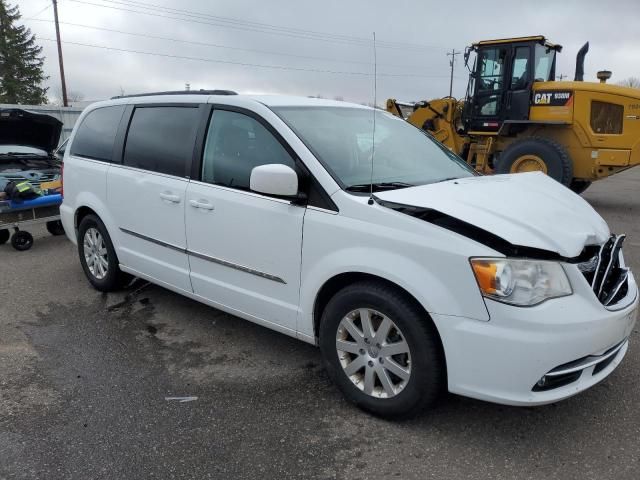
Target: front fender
[{"x": 440, "y": 280}]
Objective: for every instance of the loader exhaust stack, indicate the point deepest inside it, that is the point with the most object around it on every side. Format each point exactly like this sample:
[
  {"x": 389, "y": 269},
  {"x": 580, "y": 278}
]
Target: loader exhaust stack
[{"x": 579, "y": 77}]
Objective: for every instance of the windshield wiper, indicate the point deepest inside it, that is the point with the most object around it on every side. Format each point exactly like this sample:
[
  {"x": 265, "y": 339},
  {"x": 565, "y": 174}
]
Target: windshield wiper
[
  {"x": 446, "y": 179},
  {"x": 365, "y": 187}
]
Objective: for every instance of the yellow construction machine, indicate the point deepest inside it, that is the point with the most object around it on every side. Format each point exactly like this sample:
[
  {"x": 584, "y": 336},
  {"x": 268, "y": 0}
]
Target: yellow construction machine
[{"x": 517, "y": 118}]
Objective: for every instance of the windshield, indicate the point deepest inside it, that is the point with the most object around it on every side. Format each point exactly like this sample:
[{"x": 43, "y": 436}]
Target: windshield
[{"x": 341, "y": 138}]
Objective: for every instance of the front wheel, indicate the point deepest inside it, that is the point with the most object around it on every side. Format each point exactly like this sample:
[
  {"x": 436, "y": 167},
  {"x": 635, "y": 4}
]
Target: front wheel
[
  {"x": 381, "y": 350},
  {"x": 97, "y": 255}
]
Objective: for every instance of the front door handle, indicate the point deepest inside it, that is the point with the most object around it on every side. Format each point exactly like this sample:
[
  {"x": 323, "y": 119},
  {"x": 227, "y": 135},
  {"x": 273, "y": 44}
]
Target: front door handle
[
  {"x": 169, "y": 197},
  {"x": 204, "y": 205}
]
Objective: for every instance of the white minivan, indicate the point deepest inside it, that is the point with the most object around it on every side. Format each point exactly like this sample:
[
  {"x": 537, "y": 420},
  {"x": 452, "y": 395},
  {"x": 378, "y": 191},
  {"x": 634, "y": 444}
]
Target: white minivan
[{"x": 411, "y": 272}]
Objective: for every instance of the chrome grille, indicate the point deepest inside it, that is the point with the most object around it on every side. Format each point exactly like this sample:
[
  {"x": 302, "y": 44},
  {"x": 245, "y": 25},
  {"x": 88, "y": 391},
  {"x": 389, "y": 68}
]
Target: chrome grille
[{"x": 606, "y": 272}]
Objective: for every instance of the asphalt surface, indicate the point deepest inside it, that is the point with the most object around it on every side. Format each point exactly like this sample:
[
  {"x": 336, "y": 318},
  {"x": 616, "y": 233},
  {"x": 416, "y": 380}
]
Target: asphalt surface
[{"x": 85, "y": 376}]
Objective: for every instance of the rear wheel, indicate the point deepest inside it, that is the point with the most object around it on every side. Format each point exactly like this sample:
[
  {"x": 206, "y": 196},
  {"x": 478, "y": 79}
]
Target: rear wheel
[
  {"x": 579, "y": 186},
  {"x": 97, "y": 255},
  {"x": 537, "y": 154},
  {"x": 381, "y": 351},
  {"x": 55, "y": 228}
]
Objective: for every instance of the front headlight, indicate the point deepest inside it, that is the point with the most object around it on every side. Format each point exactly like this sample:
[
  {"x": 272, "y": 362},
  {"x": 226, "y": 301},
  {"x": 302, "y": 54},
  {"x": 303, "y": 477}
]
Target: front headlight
[{"x": 520, "y": 282}]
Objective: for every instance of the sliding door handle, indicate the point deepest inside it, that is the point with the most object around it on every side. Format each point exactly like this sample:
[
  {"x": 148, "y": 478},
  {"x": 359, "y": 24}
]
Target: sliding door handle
[{"x": 169, "y": 197}]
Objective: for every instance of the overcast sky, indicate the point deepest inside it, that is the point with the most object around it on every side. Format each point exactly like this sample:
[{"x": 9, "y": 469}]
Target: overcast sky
[{"x": 325, "y": 46}]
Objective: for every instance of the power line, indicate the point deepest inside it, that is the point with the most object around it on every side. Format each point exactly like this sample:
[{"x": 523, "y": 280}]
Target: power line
[
  {"x": 32, "y": 17},
  {"x": 215, "y": 45},
  {"x": 244, "y": 64},
  {"x": 238, "y": 21},
  {"x": 204, "y": 19}
]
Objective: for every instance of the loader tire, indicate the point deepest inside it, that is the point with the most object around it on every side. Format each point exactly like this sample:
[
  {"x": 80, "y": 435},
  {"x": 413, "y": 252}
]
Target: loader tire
[{"x": 537, "y": 154}]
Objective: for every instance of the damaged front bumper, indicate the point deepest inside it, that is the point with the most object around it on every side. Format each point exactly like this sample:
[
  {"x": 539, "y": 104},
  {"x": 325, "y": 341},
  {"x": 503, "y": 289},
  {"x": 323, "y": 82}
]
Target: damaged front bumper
[{"x": 513, "y": 358}]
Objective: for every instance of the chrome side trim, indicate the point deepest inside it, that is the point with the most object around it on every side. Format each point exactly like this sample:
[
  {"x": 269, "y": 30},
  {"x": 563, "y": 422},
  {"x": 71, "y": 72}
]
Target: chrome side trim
[
  {"x": 588, "y": 361},
  {"x": 236, "y": 266},
  {"x": 323, "y": 210},
  {"x": 241, "y": 192},
  {"x": 153, "y": 240},
  {"x": 202, "y": 256}
]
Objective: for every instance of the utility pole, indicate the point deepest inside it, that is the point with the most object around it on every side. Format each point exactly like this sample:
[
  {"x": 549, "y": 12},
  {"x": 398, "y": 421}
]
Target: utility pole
[
  {"x": 452, "y": 63},
  {"x": 64, "y": 83}
]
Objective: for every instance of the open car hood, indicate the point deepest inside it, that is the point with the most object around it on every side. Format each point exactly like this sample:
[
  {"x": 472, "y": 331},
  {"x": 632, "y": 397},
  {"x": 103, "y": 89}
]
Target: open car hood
[
  {"x": 20, "y": 127},
  {"x": 525, "y": 209}
]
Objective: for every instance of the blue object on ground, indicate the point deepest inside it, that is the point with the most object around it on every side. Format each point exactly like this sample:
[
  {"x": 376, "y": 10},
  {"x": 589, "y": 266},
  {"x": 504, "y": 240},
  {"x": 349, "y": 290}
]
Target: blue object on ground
[{"x": 44, "y": 201}]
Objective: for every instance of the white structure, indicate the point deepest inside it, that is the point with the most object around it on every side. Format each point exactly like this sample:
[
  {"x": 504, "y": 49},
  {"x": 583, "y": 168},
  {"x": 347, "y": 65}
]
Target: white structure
[{"x": 67, "y": 115}]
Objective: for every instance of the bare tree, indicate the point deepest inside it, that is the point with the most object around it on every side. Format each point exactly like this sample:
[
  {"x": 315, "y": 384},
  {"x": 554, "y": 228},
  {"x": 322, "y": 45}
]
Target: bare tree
[
  {"x": 339, "y": 98},
  {"x": 633, "y": 82},
  {"x": 72, "y": 96}
]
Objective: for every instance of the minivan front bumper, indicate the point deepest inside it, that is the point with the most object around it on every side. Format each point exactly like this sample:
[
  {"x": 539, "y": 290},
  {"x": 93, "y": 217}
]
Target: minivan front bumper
[{"x": 537, "y": 355}]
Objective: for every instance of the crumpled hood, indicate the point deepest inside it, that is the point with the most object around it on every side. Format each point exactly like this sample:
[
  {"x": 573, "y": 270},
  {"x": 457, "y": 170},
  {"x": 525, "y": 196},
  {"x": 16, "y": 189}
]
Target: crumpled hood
[
  {"x": 525, "y": 209},
  {"x": 19, "y": 127}
]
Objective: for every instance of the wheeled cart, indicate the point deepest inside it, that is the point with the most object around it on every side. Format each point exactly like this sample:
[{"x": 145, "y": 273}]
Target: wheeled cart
[{"x": 16, "y": 215}]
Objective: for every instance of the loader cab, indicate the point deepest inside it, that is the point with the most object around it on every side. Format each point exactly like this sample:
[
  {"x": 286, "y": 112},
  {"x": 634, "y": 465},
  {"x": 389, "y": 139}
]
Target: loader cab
[{"x": 501, "y": 80}]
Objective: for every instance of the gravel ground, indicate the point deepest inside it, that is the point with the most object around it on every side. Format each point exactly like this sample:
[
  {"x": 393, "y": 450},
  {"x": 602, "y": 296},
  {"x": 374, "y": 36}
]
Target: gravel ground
[{"x": 84, "y": 378}]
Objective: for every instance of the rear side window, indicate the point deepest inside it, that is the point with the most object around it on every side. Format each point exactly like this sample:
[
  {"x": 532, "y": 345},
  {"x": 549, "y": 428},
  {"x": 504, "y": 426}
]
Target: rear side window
[
  {"x": 236, "y": 143},
  {"x": 606, "y": 117},
  {"x": 161, "y": 139},
  {"x": 95, "y": 136}
]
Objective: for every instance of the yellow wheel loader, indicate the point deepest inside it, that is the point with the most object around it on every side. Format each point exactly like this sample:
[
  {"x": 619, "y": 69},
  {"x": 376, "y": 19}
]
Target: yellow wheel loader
[{"x": 517, "y": 118}]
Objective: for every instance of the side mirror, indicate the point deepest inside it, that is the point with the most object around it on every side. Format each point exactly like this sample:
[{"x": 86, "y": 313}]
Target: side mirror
[{"x": 274, "y": 179}]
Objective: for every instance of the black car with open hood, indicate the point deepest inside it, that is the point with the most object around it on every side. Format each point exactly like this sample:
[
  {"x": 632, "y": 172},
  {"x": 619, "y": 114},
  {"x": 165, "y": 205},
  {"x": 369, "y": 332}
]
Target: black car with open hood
[
  {"x": 28, "y": 129},
  {"x": 27, "y": 144}
]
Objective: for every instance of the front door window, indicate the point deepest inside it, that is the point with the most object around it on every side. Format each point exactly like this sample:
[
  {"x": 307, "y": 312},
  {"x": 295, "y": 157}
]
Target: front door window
[
  {"x": 491, "y": 64},
  {"x": 520, "y": 70}
]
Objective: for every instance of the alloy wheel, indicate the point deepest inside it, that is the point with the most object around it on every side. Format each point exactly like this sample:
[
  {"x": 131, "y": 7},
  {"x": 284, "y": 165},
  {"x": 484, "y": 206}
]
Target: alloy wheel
[
  {"x": 373, "y": 353},
  {"x": 95, "y": 253}
]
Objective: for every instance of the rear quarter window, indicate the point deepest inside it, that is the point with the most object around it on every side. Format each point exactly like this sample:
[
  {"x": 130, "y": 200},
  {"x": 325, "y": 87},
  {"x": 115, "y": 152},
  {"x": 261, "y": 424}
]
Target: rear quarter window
[
  {"x": 162, "y": 139},
  {"x": 97, "y": 132},
  {"x": 606, "y": 118}
]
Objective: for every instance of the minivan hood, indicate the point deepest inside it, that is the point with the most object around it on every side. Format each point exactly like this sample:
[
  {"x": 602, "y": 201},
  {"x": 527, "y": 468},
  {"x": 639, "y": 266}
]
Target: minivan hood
[
  {"x": 525, "y": 209},
  {"x": 19, "y": 127}
]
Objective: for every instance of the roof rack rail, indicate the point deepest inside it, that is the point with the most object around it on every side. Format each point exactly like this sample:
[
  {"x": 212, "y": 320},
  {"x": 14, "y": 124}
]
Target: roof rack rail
[{"x": 179, "y": 92}]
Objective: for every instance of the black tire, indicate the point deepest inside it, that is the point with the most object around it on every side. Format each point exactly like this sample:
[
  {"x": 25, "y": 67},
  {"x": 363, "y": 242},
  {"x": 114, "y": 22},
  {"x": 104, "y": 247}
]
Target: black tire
[
  {"x": 557, "y": 160},
  {"x": 579, "y": 186},
  {"x": 22, "y": 240},
  {"x": 114, "y": 279},
  {"x": 428, "y": 370},
  {"x": 55, "y": 228},
  {"x": 4, "y": 236}
]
